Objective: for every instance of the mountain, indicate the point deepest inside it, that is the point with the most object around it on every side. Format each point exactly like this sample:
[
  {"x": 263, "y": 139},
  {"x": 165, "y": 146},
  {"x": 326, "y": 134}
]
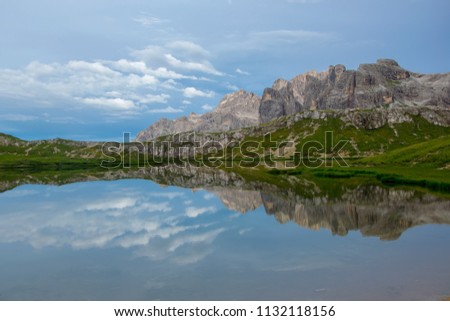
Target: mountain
[
  {"x": 382, "y": 84},
  {"x": 235, "y": 111}
]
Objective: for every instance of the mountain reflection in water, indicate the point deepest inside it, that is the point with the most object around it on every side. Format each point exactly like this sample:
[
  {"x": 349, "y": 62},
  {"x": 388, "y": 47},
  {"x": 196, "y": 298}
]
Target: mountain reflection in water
[
  {"x": 374, "y": 210},
  {"x": 180, "y": 233}
]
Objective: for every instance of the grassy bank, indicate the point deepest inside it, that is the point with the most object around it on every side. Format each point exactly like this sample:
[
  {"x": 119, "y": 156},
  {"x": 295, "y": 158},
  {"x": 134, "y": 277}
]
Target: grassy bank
[{"x": 429, "y": 178}]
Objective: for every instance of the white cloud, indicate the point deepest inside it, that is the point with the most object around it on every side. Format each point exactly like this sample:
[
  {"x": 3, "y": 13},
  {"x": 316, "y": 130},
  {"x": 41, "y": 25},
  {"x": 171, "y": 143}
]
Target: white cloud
[
  {"x": 149, "y": 99},
  {"x": 127, "y": 86},
  {"x": 184, "y": 247},
  {"x": 189, "y": 48},
  {"x": 209, "y": 196},
  {"x": 170, "y": 84},
  {"x": 202, "y": 66},
  {"x": 94, "y": 84},
  {"x": 242, "y": 72},
  {"x": 169, "y": 195},
  {"x": 163, "y": 72},
  {"x": 207, "y": 107},
  {"x": 109, "y": 102},
  {"x": 167, "y": 110},
  {"x": 147, "y": 21},
  {"x": 197, "y": 211},
  {"x": 90, "y": 68},
  {"x": 194, "y": 58},
  {"x": 232, "y": 87},
  {"x": 191, "y": 92},
  {"x": 153, "y": 56},
  {"x": 245, "y": 230},
  {"x": 127, "y": 66},
  {"x": 207, "y": 237},
  {"x": 116, "y": 204},
  {"x": 136, "y": 81}
]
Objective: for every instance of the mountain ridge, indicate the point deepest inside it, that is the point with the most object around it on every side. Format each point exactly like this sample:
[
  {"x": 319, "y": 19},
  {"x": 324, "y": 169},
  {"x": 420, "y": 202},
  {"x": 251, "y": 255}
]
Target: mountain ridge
[
  {"x": 236, "y": 110},
  {"x": 381, "y": 84}
]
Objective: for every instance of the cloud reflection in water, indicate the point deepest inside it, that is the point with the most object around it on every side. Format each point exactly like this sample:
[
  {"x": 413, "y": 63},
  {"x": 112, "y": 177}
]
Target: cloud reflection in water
[{"x": 101, "y": 215}]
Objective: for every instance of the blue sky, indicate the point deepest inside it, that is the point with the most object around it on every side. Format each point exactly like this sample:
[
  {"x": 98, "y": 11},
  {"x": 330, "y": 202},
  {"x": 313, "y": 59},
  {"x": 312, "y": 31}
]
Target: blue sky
[{"x": 91, "y": 70}]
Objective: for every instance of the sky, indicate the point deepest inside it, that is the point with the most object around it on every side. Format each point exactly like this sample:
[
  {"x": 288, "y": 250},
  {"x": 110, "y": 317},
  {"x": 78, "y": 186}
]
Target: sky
[{"x": 92, "y": 70}]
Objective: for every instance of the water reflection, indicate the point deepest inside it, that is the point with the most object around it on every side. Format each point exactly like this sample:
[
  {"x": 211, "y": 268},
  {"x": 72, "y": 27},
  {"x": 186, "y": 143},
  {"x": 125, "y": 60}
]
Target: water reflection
[
  {"x": 174, "y": 233},
  {"x": 374, "y": 210},
  {"x": 160, "y": 225}
]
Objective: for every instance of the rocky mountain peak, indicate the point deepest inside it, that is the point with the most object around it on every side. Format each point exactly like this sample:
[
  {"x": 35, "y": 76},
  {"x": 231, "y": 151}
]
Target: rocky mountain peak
[
  {"x": 335, "y": 72},
  {"x": 280, "y": 84},
  {"x": 384, "y": 70},
  {"x": 236, "y": 110},
  {"x": 381, "y": 84},
  {"x": 388, "y": 62},
  {"x": 240, "y": 100}
]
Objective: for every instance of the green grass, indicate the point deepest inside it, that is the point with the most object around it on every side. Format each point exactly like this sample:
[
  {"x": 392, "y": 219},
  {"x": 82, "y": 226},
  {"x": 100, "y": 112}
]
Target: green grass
[
  {"x": 57, "y": 153},
  {"x": 429, "y": 178},
  {"x": 432, "y": 153},
  {"x": 412, "y": 153},
  {"x": 392, "y": 83},
  {"x": 361, "y": 141}
]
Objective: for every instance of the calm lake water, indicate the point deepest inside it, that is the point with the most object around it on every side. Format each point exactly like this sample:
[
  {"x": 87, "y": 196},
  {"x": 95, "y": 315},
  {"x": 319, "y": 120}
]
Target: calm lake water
[{"x": 134, "y": 239}]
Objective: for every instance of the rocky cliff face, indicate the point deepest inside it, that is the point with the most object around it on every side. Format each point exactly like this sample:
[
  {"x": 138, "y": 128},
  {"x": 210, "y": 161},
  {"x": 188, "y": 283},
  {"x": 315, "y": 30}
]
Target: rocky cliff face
[
  {"x": 235, "y": 111},
  {"x": 384, "y": 83}
]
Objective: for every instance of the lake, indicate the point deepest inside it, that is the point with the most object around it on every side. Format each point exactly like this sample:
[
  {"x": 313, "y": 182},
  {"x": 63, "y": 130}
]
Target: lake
[{"x": 191, "y": 234}]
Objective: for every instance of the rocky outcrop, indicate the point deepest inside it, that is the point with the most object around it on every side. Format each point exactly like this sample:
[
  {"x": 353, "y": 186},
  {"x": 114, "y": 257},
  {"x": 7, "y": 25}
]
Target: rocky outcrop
[
  {"x": 237, "y": 201},
  {"x": 383, "y": 83},
  {"x": 235, "y": 111},
  {"x": 378, "y": 117},
  {"x": 400, "y": 121}
]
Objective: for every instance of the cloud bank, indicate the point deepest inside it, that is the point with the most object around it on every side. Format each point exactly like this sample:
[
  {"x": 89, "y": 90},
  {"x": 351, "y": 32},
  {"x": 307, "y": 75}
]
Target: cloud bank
[{"x": 144, "y": 82}]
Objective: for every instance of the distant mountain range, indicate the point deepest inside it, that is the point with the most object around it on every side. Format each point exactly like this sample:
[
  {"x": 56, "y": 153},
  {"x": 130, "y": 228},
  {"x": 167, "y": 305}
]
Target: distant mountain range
[{"x": 383, "y": 84}]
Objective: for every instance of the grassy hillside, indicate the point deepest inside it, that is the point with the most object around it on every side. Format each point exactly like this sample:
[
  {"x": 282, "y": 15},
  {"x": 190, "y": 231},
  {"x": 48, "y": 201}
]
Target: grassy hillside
[
  {"x": 412, "y": 153},
  {"x": 361, "y": 142},
  {"x": 432, "y": 153},
  {"x": 15, "y": 152}
]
